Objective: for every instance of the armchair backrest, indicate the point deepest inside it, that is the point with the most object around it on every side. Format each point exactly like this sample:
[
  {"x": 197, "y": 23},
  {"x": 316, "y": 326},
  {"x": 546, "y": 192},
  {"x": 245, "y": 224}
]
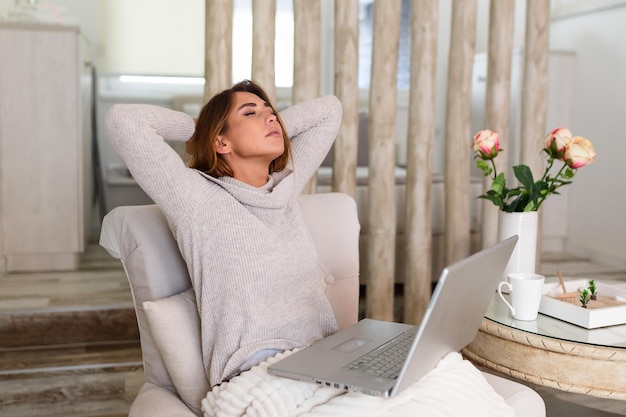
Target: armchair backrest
[{"x": 140, "y": 237}]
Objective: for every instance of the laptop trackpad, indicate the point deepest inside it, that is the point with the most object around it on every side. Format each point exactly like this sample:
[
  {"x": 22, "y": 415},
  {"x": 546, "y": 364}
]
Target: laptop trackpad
[{"x": 351, "y": 345}]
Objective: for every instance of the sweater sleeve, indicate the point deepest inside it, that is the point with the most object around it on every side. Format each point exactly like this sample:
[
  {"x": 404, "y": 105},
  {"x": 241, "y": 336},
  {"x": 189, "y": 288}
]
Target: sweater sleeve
[
  {"x": 312, "y": 126},
  {"x": 138, "y": 133}
]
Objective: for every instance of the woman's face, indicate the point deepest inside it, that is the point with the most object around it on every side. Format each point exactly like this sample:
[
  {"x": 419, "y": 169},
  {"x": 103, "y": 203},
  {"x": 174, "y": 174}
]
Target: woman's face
[{"x": 252, "y": 131}]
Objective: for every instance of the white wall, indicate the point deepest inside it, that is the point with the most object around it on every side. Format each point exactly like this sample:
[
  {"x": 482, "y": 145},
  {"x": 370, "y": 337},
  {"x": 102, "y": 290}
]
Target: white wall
[
  {"x": 598, "y": 194},
  {"x": 139, "y": 36},
  {"x": 85, "y": 13}
]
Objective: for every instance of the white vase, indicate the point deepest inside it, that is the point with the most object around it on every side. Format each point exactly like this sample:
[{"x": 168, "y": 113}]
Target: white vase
[{"x": 525, "y": 225}]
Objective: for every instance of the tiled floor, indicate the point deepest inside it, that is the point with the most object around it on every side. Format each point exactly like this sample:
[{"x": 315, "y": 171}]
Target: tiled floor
[{"x": 98, "y": 372}]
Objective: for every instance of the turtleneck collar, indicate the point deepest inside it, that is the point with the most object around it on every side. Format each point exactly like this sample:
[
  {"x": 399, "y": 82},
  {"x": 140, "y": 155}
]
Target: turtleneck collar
[{"x": 274, "y": 194}]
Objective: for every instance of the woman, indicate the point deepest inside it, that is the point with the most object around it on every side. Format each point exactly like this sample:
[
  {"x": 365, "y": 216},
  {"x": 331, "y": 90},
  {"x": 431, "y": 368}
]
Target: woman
[{"x": 237, "y": 202}]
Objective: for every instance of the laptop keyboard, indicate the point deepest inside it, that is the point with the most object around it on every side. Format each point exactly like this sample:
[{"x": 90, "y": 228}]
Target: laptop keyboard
[{"x": 387, "y": 360}]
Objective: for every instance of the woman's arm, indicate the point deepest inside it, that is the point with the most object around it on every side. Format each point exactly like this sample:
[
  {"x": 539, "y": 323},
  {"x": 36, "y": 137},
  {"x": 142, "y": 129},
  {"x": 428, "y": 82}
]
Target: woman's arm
[
  {"x": 138, "y": 133},
  {"x": 312, "y": 126}
]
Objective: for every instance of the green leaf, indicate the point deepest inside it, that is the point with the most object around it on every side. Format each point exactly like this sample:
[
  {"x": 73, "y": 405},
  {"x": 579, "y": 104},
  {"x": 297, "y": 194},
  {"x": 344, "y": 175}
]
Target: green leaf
[
  {"x": 499, "y": 183},
  {"x": 524, "y": 175},
  {"x": 483, "y": 166},
  {"x": 494, "y": 198},
  {"x": 536, "y": 194},
  {"x": 514, "y": 192},
  {"x": 529, "y": 207}
]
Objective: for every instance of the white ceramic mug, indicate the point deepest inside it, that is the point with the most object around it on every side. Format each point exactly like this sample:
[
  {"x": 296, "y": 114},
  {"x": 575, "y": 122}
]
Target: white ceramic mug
[{"x": 525, "y": 290}]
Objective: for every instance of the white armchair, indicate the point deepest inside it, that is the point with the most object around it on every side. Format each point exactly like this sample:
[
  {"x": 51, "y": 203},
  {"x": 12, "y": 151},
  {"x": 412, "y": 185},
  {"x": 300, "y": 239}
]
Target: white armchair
[{"x": 167, "y": 317}]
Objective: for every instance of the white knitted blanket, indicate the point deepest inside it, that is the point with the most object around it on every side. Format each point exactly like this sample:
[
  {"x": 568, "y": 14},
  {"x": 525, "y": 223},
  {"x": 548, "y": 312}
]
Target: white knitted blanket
[{"x": 454, "y": 388}]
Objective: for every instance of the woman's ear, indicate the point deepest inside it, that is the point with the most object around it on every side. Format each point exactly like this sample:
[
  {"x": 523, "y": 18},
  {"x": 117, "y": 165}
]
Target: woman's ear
[{"x": 220, "y": 145}]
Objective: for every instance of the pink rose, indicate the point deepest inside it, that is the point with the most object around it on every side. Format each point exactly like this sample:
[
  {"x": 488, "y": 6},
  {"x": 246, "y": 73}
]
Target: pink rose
[
  {"x": 486, "y": 144},
  {"x": 579, "y": 152},
  {"x": 557, "y": 140}
]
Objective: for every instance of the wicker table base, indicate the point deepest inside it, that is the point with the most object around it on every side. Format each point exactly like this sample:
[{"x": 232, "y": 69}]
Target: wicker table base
[{"x": 580, "y": 368}]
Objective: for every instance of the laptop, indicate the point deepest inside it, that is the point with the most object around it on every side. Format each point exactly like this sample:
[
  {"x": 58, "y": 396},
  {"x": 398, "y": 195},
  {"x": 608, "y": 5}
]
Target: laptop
[{"x": 347, "y": 359}]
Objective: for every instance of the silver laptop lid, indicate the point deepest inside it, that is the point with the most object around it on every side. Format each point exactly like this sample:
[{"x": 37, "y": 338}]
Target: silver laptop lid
[{"x": 456, "y": 310}]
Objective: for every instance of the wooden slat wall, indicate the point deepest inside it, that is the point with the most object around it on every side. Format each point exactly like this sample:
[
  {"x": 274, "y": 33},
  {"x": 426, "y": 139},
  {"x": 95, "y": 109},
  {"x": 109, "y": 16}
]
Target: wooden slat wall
[
  {"x": 382, "y": 159},
  {"x": 498, "y": 99},
  {"x": 219, "y": 43},
  {"x": 458, "y": 130},
  {"x": 535, "y": 90},
  {"x": 263, "y": 36},
  {"x": 535, "y": 84},
  {"x": 347, "y": 90},
  {"x": 421, "y": 136},
  {"x": 306, "y": 57},
  {"x": 381, "y": 220}
]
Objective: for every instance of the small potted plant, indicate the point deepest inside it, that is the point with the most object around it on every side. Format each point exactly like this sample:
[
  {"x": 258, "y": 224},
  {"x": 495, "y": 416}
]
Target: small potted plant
[
  {"x": 584, "y": 297},
  {"x": 592, "y": 289}
]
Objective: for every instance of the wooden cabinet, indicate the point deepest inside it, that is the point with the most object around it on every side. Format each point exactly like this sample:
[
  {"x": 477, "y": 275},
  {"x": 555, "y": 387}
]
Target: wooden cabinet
[{"x": 45, "y": 151}]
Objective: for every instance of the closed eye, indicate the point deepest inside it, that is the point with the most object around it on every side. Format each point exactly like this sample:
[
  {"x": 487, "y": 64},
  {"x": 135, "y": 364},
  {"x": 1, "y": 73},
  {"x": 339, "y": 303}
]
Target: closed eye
[{"x": 246, "y": 106}]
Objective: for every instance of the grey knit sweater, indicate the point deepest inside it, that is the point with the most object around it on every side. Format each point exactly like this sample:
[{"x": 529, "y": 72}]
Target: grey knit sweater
[{"x": 250, "y": 257}]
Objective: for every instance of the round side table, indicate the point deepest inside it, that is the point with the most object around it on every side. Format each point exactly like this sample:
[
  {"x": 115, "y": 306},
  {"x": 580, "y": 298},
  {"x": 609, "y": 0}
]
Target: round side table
[{"x": 552, "y": 353}]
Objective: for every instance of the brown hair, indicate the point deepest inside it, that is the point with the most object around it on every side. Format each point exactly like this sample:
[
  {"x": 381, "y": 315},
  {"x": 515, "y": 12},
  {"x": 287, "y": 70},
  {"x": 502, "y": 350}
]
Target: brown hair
[{"x": 212, "y": 122}]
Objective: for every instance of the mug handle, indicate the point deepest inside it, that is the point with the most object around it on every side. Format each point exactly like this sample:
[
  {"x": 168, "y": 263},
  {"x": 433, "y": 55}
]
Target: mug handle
[{"x": 502, "y": 283}]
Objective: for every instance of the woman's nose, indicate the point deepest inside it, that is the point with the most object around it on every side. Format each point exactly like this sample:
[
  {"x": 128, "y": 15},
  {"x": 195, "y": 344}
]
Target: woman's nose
[{"x": 271, "y": 118}]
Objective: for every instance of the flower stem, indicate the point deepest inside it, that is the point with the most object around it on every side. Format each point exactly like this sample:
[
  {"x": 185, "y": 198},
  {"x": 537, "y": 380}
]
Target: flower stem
[
  {"x": 552, "y": 185},
  {"x": 495, "y": 170}
]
